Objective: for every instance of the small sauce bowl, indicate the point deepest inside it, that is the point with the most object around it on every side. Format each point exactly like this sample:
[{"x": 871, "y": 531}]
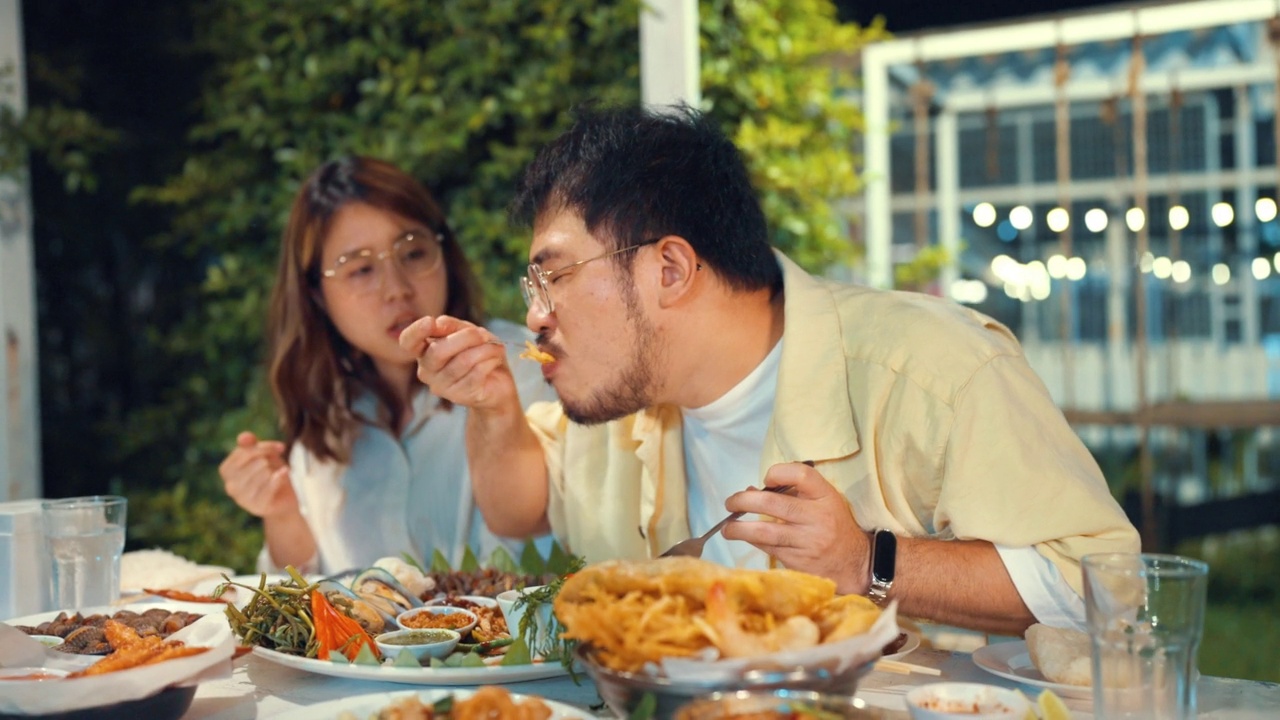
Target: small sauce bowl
[
  {"x": 422, "y": 644},
  {"x": 445, "y": 617},
  {"x": 32, "y": 674},
  {"x": 972, "y": 701},
  {"x": 463, "y": 601},
  {"x": 49, "y": 641}
]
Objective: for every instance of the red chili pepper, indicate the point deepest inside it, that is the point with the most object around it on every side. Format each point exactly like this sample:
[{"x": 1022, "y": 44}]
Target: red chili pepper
[{"x": 336, "y": 631}]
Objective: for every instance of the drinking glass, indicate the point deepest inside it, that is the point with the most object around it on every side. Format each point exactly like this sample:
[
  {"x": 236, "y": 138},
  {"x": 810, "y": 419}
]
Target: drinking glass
[
  {"x": 1145, "y": 614},
  {"x": 85, "y": 538}
]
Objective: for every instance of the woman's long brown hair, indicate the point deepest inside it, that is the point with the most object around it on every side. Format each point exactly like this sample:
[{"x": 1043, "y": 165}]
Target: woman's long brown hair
[{"x": 315, "y": 374}]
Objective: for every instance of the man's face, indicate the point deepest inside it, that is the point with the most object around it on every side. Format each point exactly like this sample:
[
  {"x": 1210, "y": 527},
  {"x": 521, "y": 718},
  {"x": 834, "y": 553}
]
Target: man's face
[{"x": 607, "y": 351}]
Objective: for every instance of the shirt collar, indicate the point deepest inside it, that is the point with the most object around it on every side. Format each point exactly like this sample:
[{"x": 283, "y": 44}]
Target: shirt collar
[{"x": 812, "y": 416}]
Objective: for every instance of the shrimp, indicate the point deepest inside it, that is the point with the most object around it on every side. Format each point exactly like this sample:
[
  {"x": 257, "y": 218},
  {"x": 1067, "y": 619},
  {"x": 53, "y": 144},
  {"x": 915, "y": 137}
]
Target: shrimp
[{"x": 734, "y": 640}]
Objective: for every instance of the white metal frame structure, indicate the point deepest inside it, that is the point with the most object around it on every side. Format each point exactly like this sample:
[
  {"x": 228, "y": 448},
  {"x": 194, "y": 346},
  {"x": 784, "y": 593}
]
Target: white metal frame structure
[
  {"x": 19, "y": 395},
  {"x": 1106, "y": 25}
]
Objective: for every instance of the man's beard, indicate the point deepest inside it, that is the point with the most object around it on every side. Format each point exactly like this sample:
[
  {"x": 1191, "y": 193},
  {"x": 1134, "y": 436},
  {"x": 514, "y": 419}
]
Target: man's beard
[{"x": 635, "y": 387}]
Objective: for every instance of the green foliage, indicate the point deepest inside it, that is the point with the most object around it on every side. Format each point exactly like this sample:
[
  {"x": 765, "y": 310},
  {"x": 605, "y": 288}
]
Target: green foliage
[{"x": 461, "y": 95}]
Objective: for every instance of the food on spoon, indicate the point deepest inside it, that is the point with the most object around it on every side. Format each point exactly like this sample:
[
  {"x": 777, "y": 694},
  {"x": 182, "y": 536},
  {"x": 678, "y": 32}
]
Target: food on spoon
[
  {"x": 1062, "y": 656},
  {"x": 633, "y": 613},
  {"x": 533, "y": 352}
]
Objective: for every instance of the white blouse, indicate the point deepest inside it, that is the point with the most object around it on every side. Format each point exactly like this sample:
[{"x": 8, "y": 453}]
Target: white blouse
[{"x": 409, "y": 494}]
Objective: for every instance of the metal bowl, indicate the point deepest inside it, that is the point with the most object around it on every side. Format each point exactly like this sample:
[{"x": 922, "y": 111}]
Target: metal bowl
[
  {"x": 624, "y": 691},
  {"x": 785, "y": 703}
]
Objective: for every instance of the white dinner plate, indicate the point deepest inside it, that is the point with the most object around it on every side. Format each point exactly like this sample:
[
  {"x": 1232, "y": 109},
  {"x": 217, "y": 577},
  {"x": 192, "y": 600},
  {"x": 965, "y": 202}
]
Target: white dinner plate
[
  {"x": 488, "y": 675},
  {"x": 363, "y": 706},
  {"x": 1012, "y": 661},
  {"x": 913, "y": 642},
  {"x": 197, "y": 576},
  {"x": 138, "y": 607}
]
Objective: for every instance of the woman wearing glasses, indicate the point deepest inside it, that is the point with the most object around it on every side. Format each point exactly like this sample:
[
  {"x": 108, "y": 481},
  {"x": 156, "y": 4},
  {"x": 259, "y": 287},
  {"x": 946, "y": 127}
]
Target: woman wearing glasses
[{"x": 371, "y": 464}]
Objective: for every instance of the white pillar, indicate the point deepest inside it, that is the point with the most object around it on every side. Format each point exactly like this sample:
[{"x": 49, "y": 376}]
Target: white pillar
[
  {"x": 878, "y": 220},
  {"x": 669, "y": 71},
  {"x": 947, "y": 150},
  {"x": 19, "y": 391}
]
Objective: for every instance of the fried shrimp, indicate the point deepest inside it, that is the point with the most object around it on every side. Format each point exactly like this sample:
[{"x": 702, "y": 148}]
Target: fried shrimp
[
  {"x": 735, "y": 639},
  {"x": 133, "y": 650},
  {"x": 633, "y": 613}
]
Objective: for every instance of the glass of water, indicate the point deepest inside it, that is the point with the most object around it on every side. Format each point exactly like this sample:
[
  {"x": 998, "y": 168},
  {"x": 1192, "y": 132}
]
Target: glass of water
[
  {"x": 85, "y": 538},
  {"x": 1145, "y": 614}
]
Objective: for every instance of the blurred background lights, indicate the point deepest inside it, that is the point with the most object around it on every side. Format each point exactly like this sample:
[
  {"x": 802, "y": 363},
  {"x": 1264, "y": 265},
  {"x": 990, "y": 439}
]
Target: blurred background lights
[
  {"x": 971, "y": 292},
  {"x": 1020, "y": 217},
  {"x": 1276, "y": 261},
  {"x": 1135, "y": 219},
  {"x": 1181, "y": 271},
  {"x": 1145, "y": 262},
  {"x": 1261, "y": 268},
  {"x": 1179, "y": 218},
  {"x": 1076, "y": 268},
  {"x": 1222, "y": 214},
  {"x": 1162, "y": 267},
  {"x": 1057, "y": 265},
  {"x": 984, "y": 214},
  {"x": 1096, "y": 220},
  {"x": 1058, "y": 219},
  {"x": 1265, "y": 208},
  {"x": 1006, "y": 231},
  {"x": 1221, "y": 274}
]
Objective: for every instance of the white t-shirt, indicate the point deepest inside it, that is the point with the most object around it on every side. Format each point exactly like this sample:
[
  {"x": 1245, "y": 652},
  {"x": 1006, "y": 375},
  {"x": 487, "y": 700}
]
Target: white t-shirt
[
  {"x": 409, "y": 494},
  {"x": 723, "y": 442}
]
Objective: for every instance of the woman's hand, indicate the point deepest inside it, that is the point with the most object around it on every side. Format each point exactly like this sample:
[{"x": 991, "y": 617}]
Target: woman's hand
[{"x": 256, "y": 477}]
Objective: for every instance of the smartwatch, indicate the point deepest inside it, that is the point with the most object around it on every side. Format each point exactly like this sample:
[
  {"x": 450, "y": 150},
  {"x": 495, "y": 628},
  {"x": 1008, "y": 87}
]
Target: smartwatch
[{"x": 884, "y": 556}]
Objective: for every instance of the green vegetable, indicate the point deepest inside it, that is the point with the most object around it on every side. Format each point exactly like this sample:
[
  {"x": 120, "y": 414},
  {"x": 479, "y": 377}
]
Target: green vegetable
[{"x": 646, "y": 708}]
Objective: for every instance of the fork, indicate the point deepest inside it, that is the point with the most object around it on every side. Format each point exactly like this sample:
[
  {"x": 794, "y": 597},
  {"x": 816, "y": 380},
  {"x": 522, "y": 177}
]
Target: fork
[{"x": 693, "y": 546}]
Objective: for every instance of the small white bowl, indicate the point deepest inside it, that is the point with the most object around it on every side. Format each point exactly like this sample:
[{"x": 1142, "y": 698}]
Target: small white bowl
[
  {"x": 422, "y": 644},
  {"x": 31, "y": 674},
  {"x": 458, "y": 619},
  {"x": 49, "y": 641},
  {"x": 481, "y": 600},
  {"x": 972, "y": 701}
]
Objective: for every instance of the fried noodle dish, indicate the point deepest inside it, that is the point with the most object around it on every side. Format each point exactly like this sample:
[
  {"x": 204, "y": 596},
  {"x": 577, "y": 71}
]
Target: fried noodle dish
[{"x": 633, "y": 613}]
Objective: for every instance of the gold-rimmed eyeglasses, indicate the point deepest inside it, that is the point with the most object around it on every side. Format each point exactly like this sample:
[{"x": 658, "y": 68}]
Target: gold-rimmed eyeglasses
[
  {"x": 417, "y": 253},
  {"x": 536, "y": 284}
]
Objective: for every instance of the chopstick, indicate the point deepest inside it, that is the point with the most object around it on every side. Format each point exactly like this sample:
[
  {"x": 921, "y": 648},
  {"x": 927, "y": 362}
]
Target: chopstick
[{"x": 903, "y": 668}]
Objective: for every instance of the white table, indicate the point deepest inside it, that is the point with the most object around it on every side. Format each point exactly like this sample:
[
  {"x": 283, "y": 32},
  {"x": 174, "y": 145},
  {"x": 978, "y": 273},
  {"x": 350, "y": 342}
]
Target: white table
[{"x": 260, "y": 689}]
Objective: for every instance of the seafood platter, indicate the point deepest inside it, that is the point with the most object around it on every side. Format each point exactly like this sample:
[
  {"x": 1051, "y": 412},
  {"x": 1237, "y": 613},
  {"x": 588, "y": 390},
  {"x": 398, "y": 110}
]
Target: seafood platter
[{"x": 361, "y": 624}]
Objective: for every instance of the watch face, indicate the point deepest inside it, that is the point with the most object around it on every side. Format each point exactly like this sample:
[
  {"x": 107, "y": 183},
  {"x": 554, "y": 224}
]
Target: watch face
[{"x": 883, "y": 556}]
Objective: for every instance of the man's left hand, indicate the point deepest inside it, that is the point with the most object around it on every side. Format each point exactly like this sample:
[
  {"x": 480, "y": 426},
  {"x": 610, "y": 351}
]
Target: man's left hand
[{"x": 815, "y": 530}]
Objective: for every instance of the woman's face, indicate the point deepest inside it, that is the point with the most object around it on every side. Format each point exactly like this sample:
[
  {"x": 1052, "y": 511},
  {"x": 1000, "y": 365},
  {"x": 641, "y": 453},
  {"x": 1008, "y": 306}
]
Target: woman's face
[{"x": 385, "y": 283}]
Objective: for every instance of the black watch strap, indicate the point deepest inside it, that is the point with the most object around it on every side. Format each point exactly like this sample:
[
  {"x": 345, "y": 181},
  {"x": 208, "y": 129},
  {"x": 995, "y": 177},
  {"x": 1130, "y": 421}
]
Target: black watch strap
[{"x": 884, "y": 558}]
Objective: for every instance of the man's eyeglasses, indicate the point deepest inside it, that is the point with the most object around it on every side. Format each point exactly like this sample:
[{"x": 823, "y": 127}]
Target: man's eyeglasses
[
  {"x": 536, "y": 284},
  {"x": 417, "y": 253}
]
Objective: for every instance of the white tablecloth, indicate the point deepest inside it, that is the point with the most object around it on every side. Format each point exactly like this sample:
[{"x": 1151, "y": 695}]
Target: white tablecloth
[{"x": 261, "y": 689}]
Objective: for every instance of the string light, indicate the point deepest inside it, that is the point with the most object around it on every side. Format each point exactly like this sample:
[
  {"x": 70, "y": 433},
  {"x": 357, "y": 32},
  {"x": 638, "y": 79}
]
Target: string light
[
  {"x": 1222, "y": 214},
  {"x": 1058, "y": 219},
  {"x": 984, "y": 214},
  {"x": 1221, "y": 274},
  {"x": 1096, "y": 220},
  {"x": 1179, "y": 218},
  {"x": 1135, "y": 219},
  {"x": 1020, "y": 217}
]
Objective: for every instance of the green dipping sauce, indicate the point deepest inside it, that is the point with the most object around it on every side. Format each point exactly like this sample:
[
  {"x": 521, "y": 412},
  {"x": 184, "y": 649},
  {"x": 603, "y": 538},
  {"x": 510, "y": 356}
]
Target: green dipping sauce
[{"x": 417, "y": 637}]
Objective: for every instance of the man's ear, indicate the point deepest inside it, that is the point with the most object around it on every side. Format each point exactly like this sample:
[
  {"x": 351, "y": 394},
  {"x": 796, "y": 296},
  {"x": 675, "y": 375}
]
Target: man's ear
[{"x": 679, "y": 267}]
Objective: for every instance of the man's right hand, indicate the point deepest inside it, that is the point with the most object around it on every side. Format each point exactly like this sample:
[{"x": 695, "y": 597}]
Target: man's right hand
[
  {"x": 256, "y": 477},
  {"x": 462, "y": 363}
]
